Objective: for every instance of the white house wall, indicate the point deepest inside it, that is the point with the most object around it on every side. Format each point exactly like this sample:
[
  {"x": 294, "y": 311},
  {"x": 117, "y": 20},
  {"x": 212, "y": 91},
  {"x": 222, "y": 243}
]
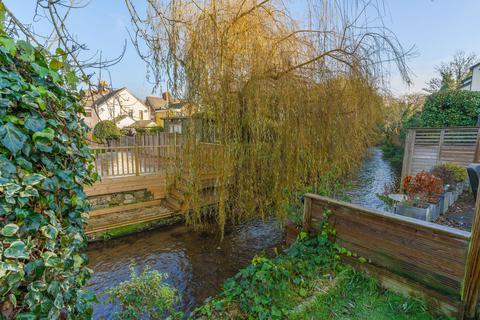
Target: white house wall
[
  {"x": 123, "y": 103},
  {"x": 126, "y": 122},
  {"x": 475, "y": 86}
]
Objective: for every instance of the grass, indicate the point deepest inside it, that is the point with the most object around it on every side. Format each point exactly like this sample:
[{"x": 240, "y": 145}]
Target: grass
[
  {"x": 355, "y": 296},
  {"x": 308, "y": 282}
]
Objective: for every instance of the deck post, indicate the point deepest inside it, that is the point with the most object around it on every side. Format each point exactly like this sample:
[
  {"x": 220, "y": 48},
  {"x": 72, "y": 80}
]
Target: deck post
[
  {"x": 307, "y": 213},
  {"x": 471, "y": 282},
  {"x": 137, "y": 165},
  {"x": 175, "y": 144}
]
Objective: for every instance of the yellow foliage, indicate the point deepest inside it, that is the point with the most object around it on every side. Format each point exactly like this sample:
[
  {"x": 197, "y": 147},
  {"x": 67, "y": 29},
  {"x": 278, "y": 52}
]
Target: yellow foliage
[{"x": 289, "y": 105}]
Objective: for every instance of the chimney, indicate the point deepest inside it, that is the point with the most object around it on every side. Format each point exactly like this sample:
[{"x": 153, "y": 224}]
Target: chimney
[
  {"x": 167, "y": 97},
  {"x": 102, "y": 87}
]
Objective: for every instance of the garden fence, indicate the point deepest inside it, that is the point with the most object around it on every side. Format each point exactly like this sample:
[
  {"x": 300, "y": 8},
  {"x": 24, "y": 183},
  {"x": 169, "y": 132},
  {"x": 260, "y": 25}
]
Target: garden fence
[{"x": 427, "y": 147}]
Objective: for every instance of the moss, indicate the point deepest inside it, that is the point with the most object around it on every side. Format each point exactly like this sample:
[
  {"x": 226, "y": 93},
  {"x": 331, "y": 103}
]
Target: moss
[{"x": 134, "y": 228}]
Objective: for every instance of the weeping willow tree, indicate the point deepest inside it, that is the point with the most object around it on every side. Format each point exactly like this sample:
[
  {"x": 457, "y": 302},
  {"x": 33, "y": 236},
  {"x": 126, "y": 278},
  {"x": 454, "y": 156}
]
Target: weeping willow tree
[{"x": 289, "y": 103}]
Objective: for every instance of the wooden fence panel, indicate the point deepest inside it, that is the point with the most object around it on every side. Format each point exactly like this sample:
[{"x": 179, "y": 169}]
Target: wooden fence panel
[
  {"x": 428, "y": 259},
  {"x": 428, "y": 147}
]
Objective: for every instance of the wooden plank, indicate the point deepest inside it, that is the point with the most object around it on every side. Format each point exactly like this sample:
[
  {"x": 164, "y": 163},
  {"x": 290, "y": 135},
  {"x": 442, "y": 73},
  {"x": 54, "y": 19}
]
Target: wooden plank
[
  {"x": 432, "y": 247},
  {"x": 396, "y": 254},
  {"x": 307, "y": 213},
  {"x": 117, "y": 160},
  {"x": 425, "y": 277},
  {"x": 402, "y": 228},
  {"x": 435, "y": 301},
  {"x": 429, "y": 257},
  {"x": 471, "y": 287},
  {"x": 440, "y": 229},
  {"x": 138, "y": 205},
  {"x": 100, "y": 153}
]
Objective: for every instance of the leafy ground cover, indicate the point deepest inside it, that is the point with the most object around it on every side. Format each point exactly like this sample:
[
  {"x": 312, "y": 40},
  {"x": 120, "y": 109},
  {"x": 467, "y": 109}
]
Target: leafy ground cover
[{"x": 307, "y": 282}]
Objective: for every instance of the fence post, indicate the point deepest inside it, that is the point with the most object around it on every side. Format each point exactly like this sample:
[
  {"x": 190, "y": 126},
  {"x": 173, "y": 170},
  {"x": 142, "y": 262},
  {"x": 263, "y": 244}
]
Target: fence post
[
  {"x": 407, "y": 155},
  {"x": 471, "y": 282},
  {"x": 307, "y": 213},
  {"x": 137, "y": 166},
  {"x": 440, "y": 145}
]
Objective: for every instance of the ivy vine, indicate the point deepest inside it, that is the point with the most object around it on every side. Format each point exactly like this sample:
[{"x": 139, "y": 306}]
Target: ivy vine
[{"x": 44, "y": 163}]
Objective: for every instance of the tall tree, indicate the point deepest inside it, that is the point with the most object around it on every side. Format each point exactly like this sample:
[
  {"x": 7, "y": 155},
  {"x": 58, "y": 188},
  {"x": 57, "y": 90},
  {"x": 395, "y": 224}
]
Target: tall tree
[
  {"x": 452, "y": 73},
  {"x": 292, "y": 106}
]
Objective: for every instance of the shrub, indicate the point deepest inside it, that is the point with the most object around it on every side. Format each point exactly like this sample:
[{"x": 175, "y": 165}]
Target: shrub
[
  {"x": 44, "y": 163},
  {"x": 459, "y": 172},
  {"x": 265, "y": 288},
  {"x": 106, "y": 130},
  {"x": 451, "y": 108},
  {"x": 450, "y": 173},
  {"x": 145, "y": 296},
  {"x": 423, "y": 186}
]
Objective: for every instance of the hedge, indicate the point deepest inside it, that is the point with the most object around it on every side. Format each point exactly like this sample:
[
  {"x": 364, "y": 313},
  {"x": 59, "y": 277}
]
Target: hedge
[
  {"x": 44, "y": 163},
  {"x": 451, "y": 109}
]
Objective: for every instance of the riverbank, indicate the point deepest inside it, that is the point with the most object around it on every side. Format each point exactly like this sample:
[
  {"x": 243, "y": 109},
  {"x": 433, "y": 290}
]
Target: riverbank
[{"x": 308, "y": 282}]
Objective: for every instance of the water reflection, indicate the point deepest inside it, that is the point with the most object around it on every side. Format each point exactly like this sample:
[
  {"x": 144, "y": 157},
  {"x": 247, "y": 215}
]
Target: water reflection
[{"x": 374, "y": 173}]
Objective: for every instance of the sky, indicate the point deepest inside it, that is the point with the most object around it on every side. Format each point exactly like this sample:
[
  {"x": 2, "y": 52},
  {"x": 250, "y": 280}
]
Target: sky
[{"x": 436, "y": 28}]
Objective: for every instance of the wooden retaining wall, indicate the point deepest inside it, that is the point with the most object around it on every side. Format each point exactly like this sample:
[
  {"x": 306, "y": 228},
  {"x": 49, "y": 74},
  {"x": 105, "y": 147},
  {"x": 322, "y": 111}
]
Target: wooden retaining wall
[
  {"x": 427, "y": 147},
  {"x": 407, "y": 255},
  {"x": 157, "y": 184}
]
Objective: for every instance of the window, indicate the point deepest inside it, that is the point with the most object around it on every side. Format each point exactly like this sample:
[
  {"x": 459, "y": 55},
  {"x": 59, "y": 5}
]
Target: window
[
  {"x": 130, "y": 113},
  {"x": 141, "y": 115}
]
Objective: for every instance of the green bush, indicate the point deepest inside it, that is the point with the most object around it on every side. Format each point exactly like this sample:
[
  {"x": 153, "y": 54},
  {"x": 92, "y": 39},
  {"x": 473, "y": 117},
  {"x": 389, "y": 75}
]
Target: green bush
[
  {"x": 106, "y": 130},
  {"x": 44, "y": 163},
  {"x": 393, "y": 152},
  {"x": 451, "y": 109},
  {"x": 268, "y": 288},
  {"x": 145, "y": 296}
]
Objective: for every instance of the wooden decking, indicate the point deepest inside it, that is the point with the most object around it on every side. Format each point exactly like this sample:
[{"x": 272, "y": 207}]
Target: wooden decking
[
  {"x": 157, "y": 184},
  {"x": 111, "y": 218},
  {"x": 168, "y": 201}
]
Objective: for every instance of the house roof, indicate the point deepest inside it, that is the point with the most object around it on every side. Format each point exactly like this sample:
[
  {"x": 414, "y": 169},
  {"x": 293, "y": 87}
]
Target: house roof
[
  {"x": 164, "y": 102},
  {"x": 143, "y": 124},
  {"x": 156, "y": 102},
  {"x": 97, "y": 99},
  {"x": 474, "y": 66}
]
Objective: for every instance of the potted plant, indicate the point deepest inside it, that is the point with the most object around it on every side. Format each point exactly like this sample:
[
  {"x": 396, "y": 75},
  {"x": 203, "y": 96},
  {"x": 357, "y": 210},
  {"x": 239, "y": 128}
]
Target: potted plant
[{"x": 424, "y": 197}]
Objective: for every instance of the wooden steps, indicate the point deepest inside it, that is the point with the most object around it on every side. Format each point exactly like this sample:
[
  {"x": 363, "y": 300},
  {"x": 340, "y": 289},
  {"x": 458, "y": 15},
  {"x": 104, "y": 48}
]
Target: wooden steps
[
  {"x": 126, "y": 207},
  {"x": 121, "y": 216},
  {"x": 166, "y": 203},
  {"x": 156, "y": 184}
]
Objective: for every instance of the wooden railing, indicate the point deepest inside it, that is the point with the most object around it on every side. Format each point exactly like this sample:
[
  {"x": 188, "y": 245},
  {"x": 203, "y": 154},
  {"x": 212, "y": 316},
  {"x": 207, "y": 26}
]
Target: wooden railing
[
  {"x": 135, "y": 160},
  {"x": 410, "y": 256},
  {"x": 116, "y": 161}
]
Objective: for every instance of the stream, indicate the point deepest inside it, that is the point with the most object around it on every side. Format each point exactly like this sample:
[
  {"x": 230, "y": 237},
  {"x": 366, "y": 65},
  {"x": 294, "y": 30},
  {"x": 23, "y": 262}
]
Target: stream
[{"x": 197, "y": 263}]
